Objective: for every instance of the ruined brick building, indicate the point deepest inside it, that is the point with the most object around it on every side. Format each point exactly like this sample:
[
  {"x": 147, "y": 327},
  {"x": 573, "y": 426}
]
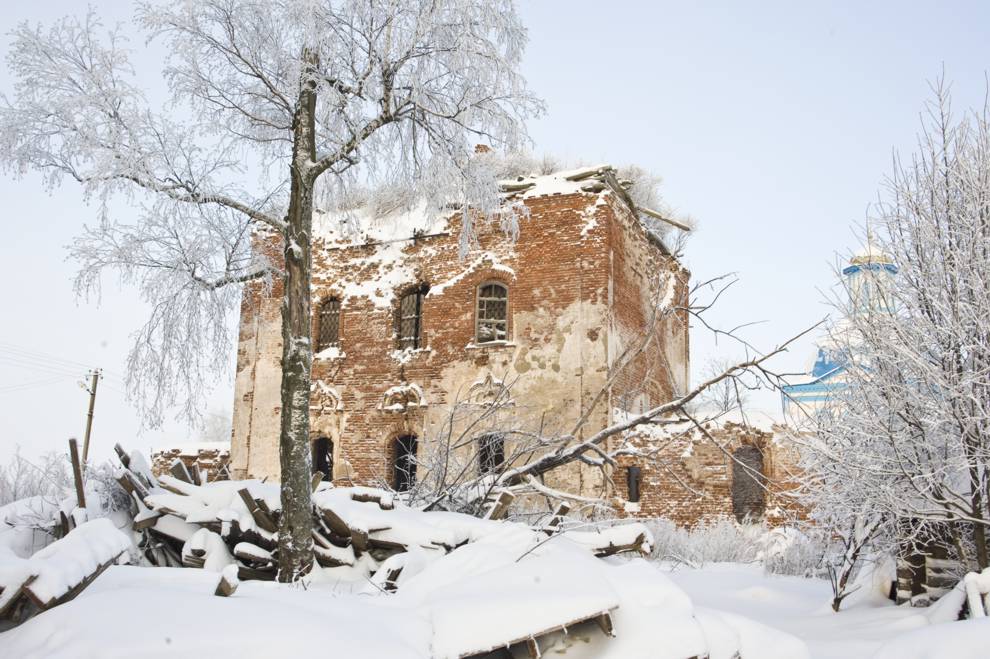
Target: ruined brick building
[{"x": 415, "y": 339}]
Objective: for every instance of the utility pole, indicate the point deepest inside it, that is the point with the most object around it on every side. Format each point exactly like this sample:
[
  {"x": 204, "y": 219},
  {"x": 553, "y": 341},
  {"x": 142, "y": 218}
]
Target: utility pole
[{"x": 89, "y": 416}]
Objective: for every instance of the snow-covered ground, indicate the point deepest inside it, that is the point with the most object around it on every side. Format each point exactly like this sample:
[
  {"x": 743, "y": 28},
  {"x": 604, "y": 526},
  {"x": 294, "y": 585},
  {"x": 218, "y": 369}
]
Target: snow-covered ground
[
  {"x": 463, "y": 586},
  {"x": 801, "y": 607},
  {"x": 171, "y": 612}
]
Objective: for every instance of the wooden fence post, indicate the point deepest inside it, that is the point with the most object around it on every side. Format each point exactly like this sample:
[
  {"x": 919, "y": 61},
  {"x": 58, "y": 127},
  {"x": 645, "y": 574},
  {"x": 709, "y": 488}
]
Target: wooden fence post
[{"x": 77, "y": 473}]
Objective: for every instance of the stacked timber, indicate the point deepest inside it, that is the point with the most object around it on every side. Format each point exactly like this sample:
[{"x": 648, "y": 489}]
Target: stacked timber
[{"x": 186, "y": 522}]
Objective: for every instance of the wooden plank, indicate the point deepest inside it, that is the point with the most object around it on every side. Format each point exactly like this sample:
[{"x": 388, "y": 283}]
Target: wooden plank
[
  {"x": 557, "y": 518},
  {"x": 359, "y": 540},
  {"x": 517, "y": 187},
  {"x": 196, "y": 475},
  {"x": 236, "y": 534},
  {"x": 377, "y": 543},
  {"x": 320, "y": 540},
  {"x": 254, "y": 574},
  {"x": 252, "y": 557},
  {"x": 180, "y": 471},
  {"x": 225, "y": 588},
  {"x": 601, "y": 618},
  {"x": 605, "y": 622},
  {"x": 533, "y": 648},
  {"x": 64, "y": 524},
  {"x": 136, "y": 485},
  {"x": 391, "y": 579},
  {"x": 77, "y": 473},
  {"x": 580, "y": 176},
  {"x": 383, "y": 503},
  {"x": 315, "y": 481},
  {"x": 172, "y": 489},
  {"x": 326, "y": 559},
  {"x": 122, "y": 456},
  {"x": 657, "y": 216},
  {"x": 11, "y": 607},
  {"x": 335, "y": 523},
  {"x": 611, "y": 549},
  {"x": 501, "y": 506},
  {"x": 260, "y": 517},
  {"x": 147, "y": 521},
  {"x": 125, "y": 483},
  {"x": 72, "y": 592}
]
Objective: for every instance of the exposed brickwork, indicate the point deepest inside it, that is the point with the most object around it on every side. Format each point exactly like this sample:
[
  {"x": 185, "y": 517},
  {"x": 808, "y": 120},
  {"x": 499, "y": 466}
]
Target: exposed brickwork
[
  {"x": 579, "y": 277},
  {"x": 693, "y": 478},
  {"x": 213, "y": 462},
  {"x": 582, "y": 279}
]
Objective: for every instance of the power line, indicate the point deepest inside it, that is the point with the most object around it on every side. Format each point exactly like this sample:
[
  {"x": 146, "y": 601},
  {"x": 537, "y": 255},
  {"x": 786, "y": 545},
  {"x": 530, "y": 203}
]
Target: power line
[
  {"x": 27, "y": 352},
  {"x": 24, "y": 352},
  {"x": 31, "y": 366},
  {"x": 30, "y": 363},
  {"x": 11, "y": 389}
]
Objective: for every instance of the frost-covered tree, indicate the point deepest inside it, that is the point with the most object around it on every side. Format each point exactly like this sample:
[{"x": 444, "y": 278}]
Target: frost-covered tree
[
  {"x": 905, "y": 447},
  {"x": 272, "y": 106}
]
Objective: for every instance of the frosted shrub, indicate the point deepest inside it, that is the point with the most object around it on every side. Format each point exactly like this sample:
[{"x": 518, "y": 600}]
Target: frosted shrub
[
  {"x": 791, "y": 552},
  {"x": 780, "y": 550},
  {"x": 722, "y": 541}
]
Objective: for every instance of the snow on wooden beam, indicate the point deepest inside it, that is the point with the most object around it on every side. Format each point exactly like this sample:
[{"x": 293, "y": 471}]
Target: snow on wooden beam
[{"x": 663, "y": 218}]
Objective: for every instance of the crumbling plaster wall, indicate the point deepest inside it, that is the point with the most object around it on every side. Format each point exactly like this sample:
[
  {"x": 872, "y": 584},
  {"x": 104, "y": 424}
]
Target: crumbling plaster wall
[
  {"x": 559, "y": 274},
  {"x": 690, "y": 477}
]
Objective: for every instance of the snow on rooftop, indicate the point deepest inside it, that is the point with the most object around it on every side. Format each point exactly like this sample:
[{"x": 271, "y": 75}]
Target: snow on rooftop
[
  {"x": 386, "y": 235},
  {"x": 366, "y": 224}
]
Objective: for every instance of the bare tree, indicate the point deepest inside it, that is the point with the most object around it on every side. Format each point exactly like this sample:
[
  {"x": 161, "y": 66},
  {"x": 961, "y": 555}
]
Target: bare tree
[
  {"x": 49, "y": 477},
  {"x": 450, "y": 475},
  {"x": 307, "y": 96},
  {"x": 216, "y": 427},
  {"x": 727, "y": 395},
  {"x": 905, "y": 445}
]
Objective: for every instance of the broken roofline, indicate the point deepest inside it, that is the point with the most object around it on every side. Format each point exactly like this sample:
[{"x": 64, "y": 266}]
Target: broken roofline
[{"x": 585, "y": 180}]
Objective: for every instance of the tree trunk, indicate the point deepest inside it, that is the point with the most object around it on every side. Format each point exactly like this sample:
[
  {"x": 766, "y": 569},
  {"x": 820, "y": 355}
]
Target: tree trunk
[
  {"x": 972, "y": 445},
  {"x": 295, "y": 541}
]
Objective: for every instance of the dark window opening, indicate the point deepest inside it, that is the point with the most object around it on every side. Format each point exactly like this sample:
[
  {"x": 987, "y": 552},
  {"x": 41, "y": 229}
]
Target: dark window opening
[
  {"x": 491, "y": 452},
  {"x": 748, "y": 483},
  {"x": 404, "y": 464},
  {"x": 328, "y": 331},
  {"x": 323, "y": 457},
  {"x": 493, "y": 313},
  {"x": 410, "y": 329},
  {"x": 633, "y": 479}
]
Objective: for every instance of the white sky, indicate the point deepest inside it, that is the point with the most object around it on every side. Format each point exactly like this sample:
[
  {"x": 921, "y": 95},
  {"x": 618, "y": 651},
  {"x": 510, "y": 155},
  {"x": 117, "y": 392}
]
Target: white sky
[{"x": 771, "y": 126}]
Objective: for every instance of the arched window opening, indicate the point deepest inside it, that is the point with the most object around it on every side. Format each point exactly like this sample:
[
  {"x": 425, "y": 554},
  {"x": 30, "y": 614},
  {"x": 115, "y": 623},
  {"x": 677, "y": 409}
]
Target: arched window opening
[
  {"x": 634, "y": 477},
  {"x": 748, "y": 483},
  {"x": 410, "y": 320},
  {"x": 328, "y": 331},
  {"x": 492, "y": 323},
  {"x": 491, "y": 452},
  {"x": 323, "y": 457},
  {"x": 404, "y": 462}
]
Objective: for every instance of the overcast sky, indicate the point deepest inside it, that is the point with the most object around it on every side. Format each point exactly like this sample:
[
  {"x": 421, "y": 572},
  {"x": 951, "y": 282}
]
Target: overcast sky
[{"x": 771, "y": 126}]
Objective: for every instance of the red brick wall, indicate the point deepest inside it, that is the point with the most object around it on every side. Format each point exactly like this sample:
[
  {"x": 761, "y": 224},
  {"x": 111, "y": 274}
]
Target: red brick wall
[
  {"x": 690, "y": 478},
  {"x": 561, "y": 275}
]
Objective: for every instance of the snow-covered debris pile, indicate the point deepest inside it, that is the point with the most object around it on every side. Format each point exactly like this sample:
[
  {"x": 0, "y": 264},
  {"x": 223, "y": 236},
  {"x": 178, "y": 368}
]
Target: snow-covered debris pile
[
  {"x": 444, "y": 584},
  {"x": 212, "y": 525},
  {"x": 60, "y": 571},
  {"x": 506, "y": 587}
]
